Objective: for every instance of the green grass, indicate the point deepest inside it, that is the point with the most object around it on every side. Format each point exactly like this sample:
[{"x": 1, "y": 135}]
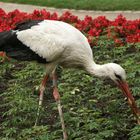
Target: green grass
[
  {"x": 93, "y": 108},
  {"x": 85, "y": 4}
]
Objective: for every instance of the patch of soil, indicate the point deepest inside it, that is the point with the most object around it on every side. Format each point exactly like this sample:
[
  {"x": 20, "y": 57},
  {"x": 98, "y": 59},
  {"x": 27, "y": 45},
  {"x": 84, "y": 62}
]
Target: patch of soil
[
  {"x": 131, "y": 49},
  {"x": 3, "y": 86}
]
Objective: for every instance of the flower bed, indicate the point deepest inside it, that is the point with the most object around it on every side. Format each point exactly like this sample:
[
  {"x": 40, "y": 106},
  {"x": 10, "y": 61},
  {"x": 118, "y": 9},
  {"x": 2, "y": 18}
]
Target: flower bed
[{"x": 120, "y": 31}]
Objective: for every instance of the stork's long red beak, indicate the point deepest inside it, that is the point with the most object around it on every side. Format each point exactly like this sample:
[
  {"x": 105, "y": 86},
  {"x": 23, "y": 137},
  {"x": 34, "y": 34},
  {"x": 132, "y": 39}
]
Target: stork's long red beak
[{"x": 131, "y": 101}]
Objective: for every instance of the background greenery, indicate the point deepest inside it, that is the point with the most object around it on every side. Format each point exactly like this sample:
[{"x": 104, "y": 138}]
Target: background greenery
[
  {"x": 85, "y": 4},
  {"x": 94, "y": 109}
]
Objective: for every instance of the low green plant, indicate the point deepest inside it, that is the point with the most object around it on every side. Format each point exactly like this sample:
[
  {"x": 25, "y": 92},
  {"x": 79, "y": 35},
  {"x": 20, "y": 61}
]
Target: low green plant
[{"x": 94, "y": 109}]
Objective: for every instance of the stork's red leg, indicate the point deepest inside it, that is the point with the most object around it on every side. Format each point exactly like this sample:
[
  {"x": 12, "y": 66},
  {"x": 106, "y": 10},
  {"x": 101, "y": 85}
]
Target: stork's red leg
[
  {"x": 57, "y": 99},
  {"x": 42, "y": 89}
]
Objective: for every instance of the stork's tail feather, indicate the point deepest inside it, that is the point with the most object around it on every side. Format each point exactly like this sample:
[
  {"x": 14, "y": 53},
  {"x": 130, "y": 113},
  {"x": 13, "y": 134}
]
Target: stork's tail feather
[
  {"x": 8, "y": 43},
  {"x": 4, "y": 36}
]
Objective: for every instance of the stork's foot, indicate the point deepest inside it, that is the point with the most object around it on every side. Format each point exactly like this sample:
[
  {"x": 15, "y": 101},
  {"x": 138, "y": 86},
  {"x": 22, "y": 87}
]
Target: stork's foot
[
  {"x": 57, "y": 99},
  {"x": 42, "y": 89}
]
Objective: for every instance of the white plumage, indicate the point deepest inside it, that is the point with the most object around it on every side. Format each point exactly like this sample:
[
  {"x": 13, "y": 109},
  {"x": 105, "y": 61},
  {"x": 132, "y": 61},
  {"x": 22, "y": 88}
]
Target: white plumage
[{"x": 57, "y": 42}]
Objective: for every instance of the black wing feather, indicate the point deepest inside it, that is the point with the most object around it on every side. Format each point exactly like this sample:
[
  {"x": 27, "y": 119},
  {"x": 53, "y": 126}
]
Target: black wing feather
[
  {"x": 26, "y": 24},
  {"x": 14, "y": 48}
]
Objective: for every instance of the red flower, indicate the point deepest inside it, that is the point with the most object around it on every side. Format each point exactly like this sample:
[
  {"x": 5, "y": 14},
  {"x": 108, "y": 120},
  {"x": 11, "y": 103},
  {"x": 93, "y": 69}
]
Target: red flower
[{"x": 120, "y": 30}]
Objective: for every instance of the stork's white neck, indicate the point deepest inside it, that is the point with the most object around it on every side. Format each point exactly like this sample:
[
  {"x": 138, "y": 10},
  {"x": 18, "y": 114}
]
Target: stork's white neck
[
  {"x": 106, "y": 70},
  {"x": 97, "y": 70}
]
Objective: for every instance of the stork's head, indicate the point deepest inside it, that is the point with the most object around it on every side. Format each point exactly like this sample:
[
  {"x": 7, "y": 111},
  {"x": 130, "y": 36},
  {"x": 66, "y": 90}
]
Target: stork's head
[{"x": 116, "y": 73}]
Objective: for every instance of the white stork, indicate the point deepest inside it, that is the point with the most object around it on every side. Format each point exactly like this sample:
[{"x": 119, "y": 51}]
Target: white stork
[{"x": 56, "y": 43}]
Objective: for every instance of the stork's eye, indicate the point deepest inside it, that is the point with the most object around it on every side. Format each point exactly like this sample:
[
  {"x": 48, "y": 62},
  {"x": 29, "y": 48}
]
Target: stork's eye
[{"x": 118, "y": 76}]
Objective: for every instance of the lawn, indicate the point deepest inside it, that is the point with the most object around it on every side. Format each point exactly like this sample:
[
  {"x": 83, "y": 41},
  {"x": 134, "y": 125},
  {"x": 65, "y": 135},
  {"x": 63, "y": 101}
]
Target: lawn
[{"x": 105, "y": 5}]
